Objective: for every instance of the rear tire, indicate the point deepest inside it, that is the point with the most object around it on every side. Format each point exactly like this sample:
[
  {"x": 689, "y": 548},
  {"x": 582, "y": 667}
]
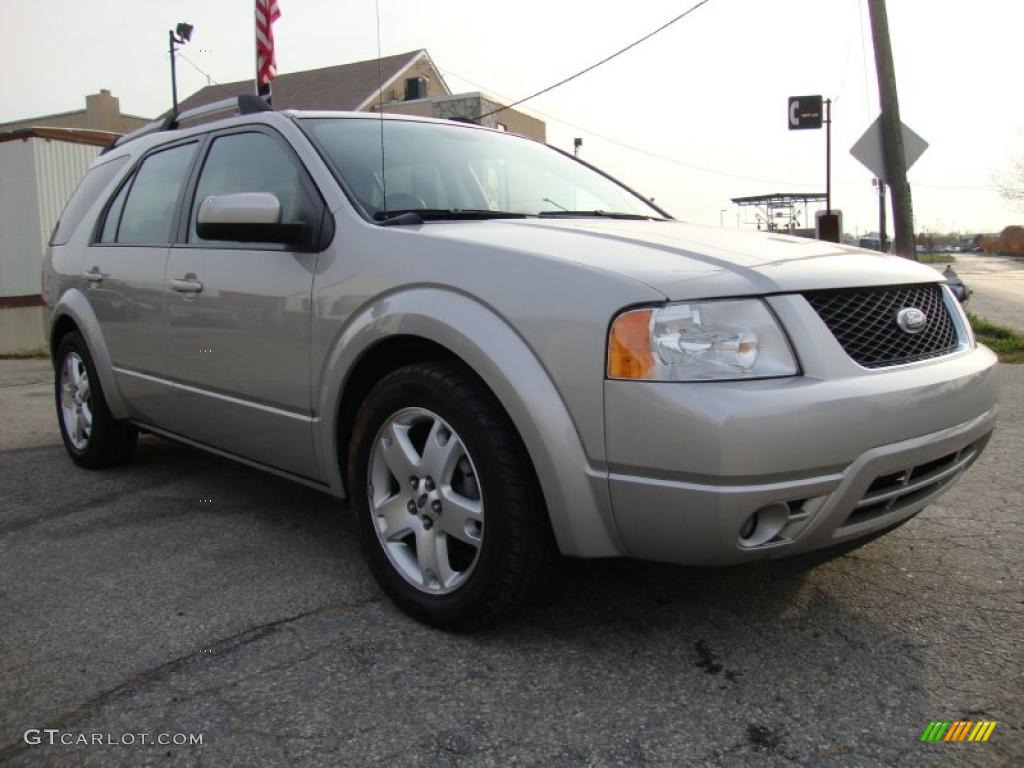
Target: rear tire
[
  {"x": 92, "y": 436},
  {"x": 449, "y": 512}
]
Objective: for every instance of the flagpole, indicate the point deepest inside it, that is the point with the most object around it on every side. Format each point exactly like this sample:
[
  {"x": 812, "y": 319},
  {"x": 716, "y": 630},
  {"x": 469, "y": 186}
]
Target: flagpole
[
  {"x": 256, "y": 49},
  {"x": 262, "y": 89}
]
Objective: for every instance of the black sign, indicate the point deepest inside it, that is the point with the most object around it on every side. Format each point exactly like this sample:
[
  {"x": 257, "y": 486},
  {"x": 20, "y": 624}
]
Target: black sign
[
  {"x": 804, "y": 112},
  {"x": 828, "y": 226}
]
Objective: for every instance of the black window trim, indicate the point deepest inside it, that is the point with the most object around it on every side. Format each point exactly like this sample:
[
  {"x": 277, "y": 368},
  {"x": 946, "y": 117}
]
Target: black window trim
[
  {"x": 323, "y": 234},
  {"x": 129, "y": 180}
]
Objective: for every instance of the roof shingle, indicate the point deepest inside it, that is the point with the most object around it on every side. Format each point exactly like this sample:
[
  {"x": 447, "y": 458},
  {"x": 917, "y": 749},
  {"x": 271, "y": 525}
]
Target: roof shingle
[{"x": 341, "y": 87}]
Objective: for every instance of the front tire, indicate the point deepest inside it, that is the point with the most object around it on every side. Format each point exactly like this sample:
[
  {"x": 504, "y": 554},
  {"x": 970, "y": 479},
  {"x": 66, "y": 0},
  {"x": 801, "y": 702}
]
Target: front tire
[
  {"x": 92, "y": 436},
  {"x": 449, "y": 512}
]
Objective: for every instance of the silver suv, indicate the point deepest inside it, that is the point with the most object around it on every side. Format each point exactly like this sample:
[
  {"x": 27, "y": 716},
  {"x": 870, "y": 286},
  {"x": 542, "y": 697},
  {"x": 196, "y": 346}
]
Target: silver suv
[{"x": 498, "y": 353}]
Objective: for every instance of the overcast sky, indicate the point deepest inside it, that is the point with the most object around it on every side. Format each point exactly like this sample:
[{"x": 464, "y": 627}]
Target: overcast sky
[{"x": 707, "y": 95}]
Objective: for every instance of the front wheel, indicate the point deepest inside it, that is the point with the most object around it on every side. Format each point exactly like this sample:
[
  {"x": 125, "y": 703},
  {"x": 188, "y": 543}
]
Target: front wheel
[
  {"x": 92, "y": 436},
  {"x": 449, "y": 512}
]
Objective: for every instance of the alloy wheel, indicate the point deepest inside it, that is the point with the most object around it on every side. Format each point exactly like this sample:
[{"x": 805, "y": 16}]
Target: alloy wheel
[
  {"x": 76, "y": 401},
  {"x": 425, "y": 500}
]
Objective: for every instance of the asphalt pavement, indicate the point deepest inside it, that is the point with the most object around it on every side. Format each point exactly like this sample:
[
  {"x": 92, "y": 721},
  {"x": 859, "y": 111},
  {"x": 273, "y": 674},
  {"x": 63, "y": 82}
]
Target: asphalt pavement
[
  {"x": 184, "y": 595},
  {"x": 998, "y": 284}
]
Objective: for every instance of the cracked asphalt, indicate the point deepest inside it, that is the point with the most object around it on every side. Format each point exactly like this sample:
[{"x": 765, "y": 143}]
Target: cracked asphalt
[{"x": 129, "y": 606}]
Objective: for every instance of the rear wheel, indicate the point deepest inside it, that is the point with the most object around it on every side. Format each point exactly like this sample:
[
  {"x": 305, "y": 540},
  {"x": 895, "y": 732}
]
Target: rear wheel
[
  {"x": 92, "y": 436},
  {"x": 449, "y": 512}
]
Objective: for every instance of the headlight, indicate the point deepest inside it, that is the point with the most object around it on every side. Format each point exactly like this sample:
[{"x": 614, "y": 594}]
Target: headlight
[{"x": 699, "y": 341}]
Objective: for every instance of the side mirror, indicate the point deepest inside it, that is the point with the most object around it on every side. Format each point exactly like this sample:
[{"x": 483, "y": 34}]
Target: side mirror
[{"x": 246, "y": 217}]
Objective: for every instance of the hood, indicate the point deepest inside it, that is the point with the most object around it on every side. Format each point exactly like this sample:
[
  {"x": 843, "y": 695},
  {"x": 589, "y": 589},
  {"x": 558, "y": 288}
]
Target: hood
[{"x": 687, "y": 261}]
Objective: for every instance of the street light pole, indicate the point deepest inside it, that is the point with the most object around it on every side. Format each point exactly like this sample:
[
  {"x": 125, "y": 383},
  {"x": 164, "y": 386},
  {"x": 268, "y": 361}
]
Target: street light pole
[
  {"x": 828, "y": 157},
  {"x": 174, "y": 79},
  {"x": 175, "y": 37},
  {"x": 881, "y": 215}
]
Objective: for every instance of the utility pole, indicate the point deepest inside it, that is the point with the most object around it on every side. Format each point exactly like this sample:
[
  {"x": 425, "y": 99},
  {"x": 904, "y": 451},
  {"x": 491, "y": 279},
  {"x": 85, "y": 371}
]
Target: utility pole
[{"x": 892, "y": 133}]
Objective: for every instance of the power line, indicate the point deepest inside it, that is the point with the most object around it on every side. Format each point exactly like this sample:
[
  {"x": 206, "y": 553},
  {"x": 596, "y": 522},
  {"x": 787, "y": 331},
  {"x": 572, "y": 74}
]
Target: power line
[
  {"x": 846, "y": 66},
  {"x": 635, "y": 148},
  {"x": 605, "y": 60},
  {"x": 204, "y": 73},
  {"x": 685, "y": 164},
  {"x": 863, "y": 56}
]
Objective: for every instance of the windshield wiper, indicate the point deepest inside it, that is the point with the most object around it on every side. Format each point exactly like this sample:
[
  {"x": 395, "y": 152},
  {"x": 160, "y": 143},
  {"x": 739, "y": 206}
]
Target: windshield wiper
[
  {"x": 601, "y": 214},
  {"x": 420, "y": 215}
]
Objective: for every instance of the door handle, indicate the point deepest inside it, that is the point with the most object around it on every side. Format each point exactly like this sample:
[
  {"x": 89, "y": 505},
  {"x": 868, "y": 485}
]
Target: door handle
[
  {"x": 186, "y": 284},
  {"x": 93, "y": 275}
]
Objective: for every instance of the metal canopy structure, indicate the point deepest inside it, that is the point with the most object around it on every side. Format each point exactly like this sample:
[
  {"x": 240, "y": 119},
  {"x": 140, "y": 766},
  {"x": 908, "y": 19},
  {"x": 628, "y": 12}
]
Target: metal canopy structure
[{"x": 781, "y": 211}]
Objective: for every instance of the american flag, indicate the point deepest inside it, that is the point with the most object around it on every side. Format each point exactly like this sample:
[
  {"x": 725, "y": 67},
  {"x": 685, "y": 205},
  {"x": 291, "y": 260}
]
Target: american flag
[{"x": 267, "y": 13}]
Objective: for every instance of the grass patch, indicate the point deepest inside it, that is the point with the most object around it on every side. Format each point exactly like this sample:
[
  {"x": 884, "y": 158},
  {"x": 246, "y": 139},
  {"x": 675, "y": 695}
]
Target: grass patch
[
  {"x": 24, "y": 356},
  {"x": 1005, "y": 342}
]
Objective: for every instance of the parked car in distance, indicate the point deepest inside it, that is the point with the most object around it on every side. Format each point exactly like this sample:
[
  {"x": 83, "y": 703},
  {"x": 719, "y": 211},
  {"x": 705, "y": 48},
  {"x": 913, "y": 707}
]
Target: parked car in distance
[{"x": 498, "y": 353}]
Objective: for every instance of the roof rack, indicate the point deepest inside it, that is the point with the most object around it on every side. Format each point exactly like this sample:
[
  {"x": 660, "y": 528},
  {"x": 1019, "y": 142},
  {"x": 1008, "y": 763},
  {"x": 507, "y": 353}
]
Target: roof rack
[{"x": 244, "y": 103}]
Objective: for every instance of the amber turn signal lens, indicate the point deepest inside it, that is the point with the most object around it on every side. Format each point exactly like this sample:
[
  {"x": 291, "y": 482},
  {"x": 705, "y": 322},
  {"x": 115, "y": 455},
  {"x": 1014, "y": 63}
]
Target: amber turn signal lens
[{"x": 629, "y": 346}]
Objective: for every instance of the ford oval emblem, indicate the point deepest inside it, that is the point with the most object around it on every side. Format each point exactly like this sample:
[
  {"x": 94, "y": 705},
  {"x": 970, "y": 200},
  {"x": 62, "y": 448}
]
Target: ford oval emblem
[{"x": 911, "y": 320}]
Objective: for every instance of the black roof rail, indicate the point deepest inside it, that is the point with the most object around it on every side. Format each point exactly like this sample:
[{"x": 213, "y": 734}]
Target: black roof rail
[{"x": 244, "y": 103}]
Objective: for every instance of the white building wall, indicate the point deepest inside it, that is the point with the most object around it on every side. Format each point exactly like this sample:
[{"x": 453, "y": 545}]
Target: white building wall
[
  {"x": 37, "y": 176},
  {"x": 60, "y": 166},
  {"x": 19, "y": 218}
]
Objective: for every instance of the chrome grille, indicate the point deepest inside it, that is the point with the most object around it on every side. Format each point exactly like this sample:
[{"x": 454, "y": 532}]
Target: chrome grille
[{"x": 863, "y": 320}]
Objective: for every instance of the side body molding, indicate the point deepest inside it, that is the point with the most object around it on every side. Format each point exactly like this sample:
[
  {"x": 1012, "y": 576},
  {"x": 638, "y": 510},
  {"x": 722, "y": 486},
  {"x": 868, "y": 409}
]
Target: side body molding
[
  {"x": 575, "y": 492},
  {"x": 73, "y": 304}
]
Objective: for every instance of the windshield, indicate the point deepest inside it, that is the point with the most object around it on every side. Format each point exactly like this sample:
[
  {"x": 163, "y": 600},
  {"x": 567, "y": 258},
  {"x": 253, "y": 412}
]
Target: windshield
[{"x": 451, "y": 168}]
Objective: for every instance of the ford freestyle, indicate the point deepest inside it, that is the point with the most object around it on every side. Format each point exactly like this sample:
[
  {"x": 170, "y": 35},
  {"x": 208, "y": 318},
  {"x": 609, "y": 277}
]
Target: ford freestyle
[{"x": 498, "y": 353}]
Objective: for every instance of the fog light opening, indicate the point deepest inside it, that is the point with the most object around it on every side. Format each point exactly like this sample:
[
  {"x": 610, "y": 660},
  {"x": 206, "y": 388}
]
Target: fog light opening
[{"x": 764, "y": 525}]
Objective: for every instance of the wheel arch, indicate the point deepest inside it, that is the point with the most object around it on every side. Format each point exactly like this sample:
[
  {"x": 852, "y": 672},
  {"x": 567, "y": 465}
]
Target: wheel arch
[
  {"x": 73, "y": 313},
  {"x": 432, "y": 323},
  {"x": 376, "y": 362}
]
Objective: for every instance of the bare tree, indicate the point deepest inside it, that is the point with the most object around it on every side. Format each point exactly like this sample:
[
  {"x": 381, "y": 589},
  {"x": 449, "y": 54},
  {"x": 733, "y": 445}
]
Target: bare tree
[{"x": 1011, "y": 184}]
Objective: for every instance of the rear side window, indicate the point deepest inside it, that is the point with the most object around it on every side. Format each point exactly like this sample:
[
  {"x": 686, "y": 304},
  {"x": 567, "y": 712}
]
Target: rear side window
[
  {"x": 109, "y": 234},
  {"x": 89, "y": 188},
  {"x": 148, "y": 211}
]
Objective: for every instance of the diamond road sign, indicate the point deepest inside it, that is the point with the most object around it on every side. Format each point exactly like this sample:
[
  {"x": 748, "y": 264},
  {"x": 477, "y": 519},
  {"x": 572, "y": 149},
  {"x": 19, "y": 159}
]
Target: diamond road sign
[{"x": 868, "y": 148}]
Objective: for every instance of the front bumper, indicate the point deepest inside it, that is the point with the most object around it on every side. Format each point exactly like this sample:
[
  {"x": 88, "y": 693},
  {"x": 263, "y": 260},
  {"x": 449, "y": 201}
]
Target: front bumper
[{"x": 823, "y": 462}]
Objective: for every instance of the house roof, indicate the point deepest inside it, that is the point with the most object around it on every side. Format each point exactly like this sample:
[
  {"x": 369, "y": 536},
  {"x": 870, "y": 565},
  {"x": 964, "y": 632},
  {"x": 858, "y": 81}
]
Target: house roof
[
  {"x": 341, "y": 87},
  {"x": 70, "y": 135}
]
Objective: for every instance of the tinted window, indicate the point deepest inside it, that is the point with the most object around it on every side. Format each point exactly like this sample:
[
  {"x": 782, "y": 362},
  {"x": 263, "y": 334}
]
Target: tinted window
[
  {"x": 95, "y": 181},
  {"x": 431, "y": 165},
  {"x": 254, "y": 162},
  {"x": 152, "y": 200}
]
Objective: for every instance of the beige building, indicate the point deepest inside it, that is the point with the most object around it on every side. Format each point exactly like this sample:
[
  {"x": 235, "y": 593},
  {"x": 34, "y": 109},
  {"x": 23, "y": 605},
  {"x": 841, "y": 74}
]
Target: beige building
[
  {"x": 409, "y": 84},
  {"x": 102, "y": 113}
]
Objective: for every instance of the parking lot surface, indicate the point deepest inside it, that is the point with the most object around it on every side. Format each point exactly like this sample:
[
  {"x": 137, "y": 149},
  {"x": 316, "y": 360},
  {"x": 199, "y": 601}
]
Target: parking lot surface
[
  {"x": 185, "y": 595},
  {"x": 998, "y": 285}
]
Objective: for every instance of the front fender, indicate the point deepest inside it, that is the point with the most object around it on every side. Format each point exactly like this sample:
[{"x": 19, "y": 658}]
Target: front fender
[
  {"x": 73, "y": 305},
  {"x": 576, "y": 493}
]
